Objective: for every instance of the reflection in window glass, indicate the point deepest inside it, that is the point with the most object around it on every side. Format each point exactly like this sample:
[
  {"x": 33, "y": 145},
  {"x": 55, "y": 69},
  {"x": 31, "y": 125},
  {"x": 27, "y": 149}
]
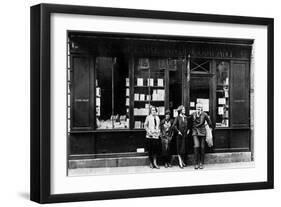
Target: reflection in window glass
[
  {"x": 112, "y": 93},
  {"x": 222, "y": 92}
]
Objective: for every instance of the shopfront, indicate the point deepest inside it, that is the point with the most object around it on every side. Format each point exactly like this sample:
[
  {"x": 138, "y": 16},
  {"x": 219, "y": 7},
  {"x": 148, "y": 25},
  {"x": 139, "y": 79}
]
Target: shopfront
[{"x": 113, "y": 79}]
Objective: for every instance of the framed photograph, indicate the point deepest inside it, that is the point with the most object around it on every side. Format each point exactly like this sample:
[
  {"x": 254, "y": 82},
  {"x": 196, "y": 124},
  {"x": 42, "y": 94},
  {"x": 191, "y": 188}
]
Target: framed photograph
[{"x": 132, "y": 103}]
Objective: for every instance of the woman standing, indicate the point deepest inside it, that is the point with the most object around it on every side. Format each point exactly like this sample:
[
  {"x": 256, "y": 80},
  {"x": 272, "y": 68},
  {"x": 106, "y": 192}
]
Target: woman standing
[
  {"x": 199, "y": 134},
  {"x": 166, "y": 134},
  {"x": 151, "y": 126},
  {"x": 181, "y": 125}
]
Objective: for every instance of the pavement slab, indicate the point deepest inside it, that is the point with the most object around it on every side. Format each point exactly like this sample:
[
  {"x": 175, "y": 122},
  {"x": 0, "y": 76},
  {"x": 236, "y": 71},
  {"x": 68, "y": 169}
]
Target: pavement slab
[{"x": 147, "y": 169}]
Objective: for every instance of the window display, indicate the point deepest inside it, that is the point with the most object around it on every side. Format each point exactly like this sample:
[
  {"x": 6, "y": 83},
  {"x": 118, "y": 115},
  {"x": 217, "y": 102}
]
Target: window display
[
  {"x": 149, "y": 89},
  {"x": 222, "y": 93},
  {"x": 112, "y": 93}
]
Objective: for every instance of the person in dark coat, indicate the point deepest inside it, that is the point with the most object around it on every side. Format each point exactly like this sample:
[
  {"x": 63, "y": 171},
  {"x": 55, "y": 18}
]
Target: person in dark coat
[
  {"x": 181, "y": 126},
  {"x": 200, "y": 118},
  {"x": 166, "y": 134}
]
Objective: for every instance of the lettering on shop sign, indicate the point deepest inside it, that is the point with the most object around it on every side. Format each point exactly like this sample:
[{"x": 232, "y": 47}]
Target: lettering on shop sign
[
  {"x": 195, "y": 52},
  {"x": 214, "y": 52}
]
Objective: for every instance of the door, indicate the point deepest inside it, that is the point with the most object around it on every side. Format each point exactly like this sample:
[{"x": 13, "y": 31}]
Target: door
[
  {"x": 199, "y": 88},
  {"x": 199, "y": 85}
]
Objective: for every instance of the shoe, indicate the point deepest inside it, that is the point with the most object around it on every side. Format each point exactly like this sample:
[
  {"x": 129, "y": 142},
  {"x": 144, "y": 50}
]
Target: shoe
[
  {"x": 180, "y": 162},
  {"x": 169, "y": 165},
  {"x": 151, "y": 165},
  {"x": 183, "y": 164},
  {"x": 155, "y": 163},
  {"x": 156, "y": 166},
  {"x": 166, "y": 165},
  {"x": 196, "y": 157},
  {"x": 201, "y": 166}
]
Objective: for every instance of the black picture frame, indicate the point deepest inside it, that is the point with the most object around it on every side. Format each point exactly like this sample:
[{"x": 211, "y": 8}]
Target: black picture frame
[{"x": 40, "y": 102}]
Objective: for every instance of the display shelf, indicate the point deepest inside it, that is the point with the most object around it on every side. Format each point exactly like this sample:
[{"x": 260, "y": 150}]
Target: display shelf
[
  {"x": 149, "y": 87},
  {"x": 150, "y": 101}
]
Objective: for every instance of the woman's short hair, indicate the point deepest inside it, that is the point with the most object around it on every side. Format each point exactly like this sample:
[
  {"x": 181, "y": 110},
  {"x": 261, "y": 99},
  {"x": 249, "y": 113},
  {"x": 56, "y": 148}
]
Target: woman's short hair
[
  {"x": 199, "y": 105},
  {"x": 152, "y": 107},
  {"x": 180, "y": 108},
  {"x": 167, "y": 112}
]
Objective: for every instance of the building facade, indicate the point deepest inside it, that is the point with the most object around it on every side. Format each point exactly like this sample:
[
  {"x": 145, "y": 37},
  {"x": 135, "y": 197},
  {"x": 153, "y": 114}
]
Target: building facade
[{"x": 113, "y": 79}]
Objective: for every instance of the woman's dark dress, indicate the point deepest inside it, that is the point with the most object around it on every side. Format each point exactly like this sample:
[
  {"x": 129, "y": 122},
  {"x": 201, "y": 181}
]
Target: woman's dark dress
[
  {"x": 181, "y": 124},
  {"x": 166, "y": 134}
]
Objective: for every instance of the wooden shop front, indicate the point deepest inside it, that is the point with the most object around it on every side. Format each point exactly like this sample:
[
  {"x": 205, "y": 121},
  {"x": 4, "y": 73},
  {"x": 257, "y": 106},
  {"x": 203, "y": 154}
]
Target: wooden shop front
[{"x": 114, "y": 78}]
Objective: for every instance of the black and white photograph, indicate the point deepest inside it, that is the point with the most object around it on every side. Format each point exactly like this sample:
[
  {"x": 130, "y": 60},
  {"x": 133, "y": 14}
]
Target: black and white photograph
[
  {"x": 140, "y": 103},
  {"x": 134, "y": 103},
  {"x": 152, "y": 103}
]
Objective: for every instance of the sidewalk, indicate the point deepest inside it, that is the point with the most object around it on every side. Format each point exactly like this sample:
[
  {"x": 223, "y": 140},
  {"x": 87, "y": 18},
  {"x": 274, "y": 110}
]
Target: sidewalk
[{"x": 147, "y": 169}]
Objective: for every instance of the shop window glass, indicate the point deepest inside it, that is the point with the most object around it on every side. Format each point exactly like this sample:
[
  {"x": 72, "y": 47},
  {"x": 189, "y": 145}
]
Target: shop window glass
[
  {"x": 222, "y": 93},
  {"x": 149, "y": 88},
  {"x": 112, "y": 93}
]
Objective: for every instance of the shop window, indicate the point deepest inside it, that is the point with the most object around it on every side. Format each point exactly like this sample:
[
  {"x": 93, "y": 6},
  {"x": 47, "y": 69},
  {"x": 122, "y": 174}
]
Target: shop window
[
  {"x": 149, "y": 88},
  {"x": 222, "y": 94},
  {"x": 112, "y": 93}
]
